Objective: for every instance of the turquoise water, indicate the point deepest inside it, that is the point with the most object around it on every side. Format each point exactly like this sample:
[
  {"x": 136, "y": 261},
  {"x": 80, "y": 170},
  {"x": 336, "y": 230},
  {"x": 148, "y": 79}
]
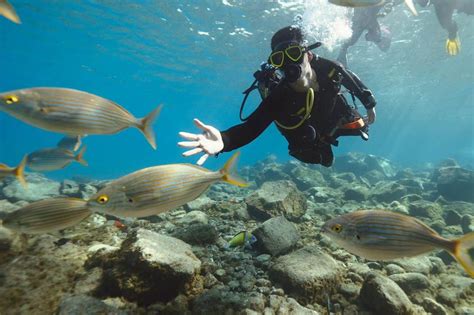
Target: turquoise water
[{"x": 197, "y": 57}]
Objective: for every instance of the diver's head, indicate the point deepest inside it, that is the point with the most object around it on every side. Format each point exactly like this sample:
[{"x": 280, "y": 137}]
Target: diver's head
[{"x": 290, "y": 54}]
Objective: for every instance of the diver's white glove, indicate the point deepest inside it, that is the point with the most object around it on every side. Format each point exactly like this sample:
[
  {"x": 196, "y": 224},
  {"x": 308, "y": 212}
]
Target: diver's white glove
[
  {"x": 370, "y": 118},
  {"x": 210, "y": 142}
]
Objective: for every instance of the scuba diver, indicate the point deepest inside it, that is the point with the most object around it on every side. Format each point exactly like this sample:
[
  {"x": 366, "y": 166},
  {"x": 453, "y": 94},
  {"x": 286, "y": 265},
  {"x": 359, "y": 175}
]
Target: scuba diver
[
  {"x": 444, "y": 12},
  {"x": 302, "y": 96},
  {"x": 366, "y": 19}
]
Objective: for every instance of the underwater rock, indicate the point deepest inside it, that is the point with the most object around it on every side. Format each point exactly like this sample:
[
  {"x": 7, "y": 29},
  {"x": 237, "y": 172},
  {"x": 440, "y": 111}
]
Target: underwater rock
[
  {"x": 194, "y": 217},
  {"x": 425, "y": 209},
  {"x": 201, "y": 203},
  {"x": 454, "y": 289},
  {"x": 219, "y": 300},
  {"x": 433, "y": 307},
  {"x": 466, "y": 224},
  {"x": 307, "y": 273},
  {"x": 276, "y": 198},
  {"x": 276, "y": 236},
  {"x": 455, "y": 183},
  {"x": 393, "y": 269},
  {"x": 384, "y": 296},
  {"x": 69, "y": 188},
  {"x": 39, "y": 187},
  {"x": 282, "y": 305},
  {"x": 411, "y": 282},
  {"x": 268, "y": 170},
  {"x": 324, "y": 194},
  {"x": 388, "y": 192},
  {"x": 7, "y": 207},
  {"x": 6, "y": 239},
  {"x": 419, "y": 264},
  {"x": 83, "y": 304},
  {"x": 89, "y": 283},
  {"x": 87, "y": 191},
  {"x": 305, "y": 178},
  {"x": 373, "y": 177},
  {"x": 452, "y": 218},
  {"x": 148, "y": 268},
  {"x": 360, "y": 164},
  {"x": 413, "y": 186},
  {"x": 197, "y": 234},
  {"x": 356, "y": 193}
]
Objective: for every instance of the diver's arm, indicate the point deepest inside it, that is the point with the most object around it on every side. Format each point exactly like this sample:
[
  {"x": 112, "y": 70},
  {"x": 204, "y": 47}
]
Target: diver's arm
[
  {"x": 242, "y": 134},
  {"x": 352, "y": 82}
]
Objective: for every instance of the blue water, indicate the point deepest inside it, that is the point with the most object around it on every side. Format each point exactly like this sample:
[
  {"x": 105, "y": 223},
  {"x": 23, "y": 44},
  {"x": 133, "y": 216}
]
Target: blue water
[{"x": 197, "y": 58}]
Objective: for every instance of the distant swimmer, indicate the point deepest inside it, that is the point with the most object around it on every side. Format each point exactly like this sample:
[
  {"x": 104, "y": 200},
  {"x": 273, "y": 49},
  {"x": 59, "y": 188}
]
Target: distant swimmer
[
  {"x": 52, "y": 159},
  {"x": 73, "y": 112},
  {"x": 17, "y": 172},
  {"x": 7, "y": 10},
  {"x": 444, "y": 12},
  {"x": 386, "y": 235},
  {"x": 47, "y": 215},
  {"x": 371, "y": 3},
  {"x": 366, "y": 19},
  {"x": 303, "y": 96},
  {"x": 157, "y": 189}
]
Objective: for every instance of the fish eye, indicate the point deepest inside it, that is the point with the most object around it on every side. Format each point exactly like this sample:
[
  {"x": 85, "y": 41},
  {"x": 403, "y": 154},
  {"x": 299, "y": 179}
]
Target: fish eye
[
  {"x": 102, "y": 199},
  {"x": 336, "y": 228},
  {"x": 10, "y": 99}
]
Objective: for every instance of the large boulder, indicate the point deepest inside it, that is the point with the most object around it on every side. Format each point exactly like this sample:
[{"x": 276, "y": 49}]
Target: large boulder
[
  {"x": 39, "y": 187},
  {"x": 455, "y": 183},
  {"x": 276, "y": 198},
  {"x": 83, "y": 304},
  {"x": 383, "y": 296},
  {"x": 425, "y": 209},
  {"x": 388, "y": 191},
  {"x": 308, "y": 274},
  {"x": 276, "y": 236},
  {"x": 360, "y": 164},
  {"x": 148, "y": 268}
]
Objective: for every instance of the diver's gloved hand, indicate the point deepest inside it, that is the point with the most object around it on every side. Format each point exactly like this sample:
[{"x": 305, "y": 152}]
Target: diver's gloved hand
[
  {"x": 370, "y": 118},
  {"x": 453, "y": 46},
  {"x": 210, "y": 142}
]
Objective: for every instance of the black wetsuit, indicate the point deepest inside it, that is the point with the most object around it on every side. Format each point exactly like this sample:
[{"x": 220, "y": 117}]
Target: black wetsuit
[
  {"x": 305, "y": 142},
  {"x": 444, "y": 12}
]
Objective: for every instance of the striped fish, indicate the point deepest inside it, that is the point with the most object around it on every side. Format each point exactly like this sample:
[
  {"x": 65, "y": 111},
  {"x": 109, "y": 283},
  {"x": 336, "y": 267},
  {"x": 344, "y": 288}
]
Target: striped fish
[
  {"x": 70, "y": 143},
  {"x": 385, "y": 235},
  {"x": 73, "y": 112},
  {"x": 7, "y": 10},
  {"x": 47, "y": 215},
  {"x": 54, "y": 159},
  {"x": 154, "y": 190},
  {"x": 18, "y": 171}
]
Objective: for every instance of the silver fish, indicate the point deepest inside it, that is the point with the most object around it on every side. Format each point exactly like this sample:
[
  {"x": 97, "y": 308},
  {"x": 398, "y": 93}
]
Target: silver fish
[
  {"x": 54, "y": 159},
  {"x": 157, "y": 189},
  {"x": 47, "y": 215},
  {"x": 73, "y": 112},
  {"x": 7, "y": 10},
  {"x": 18, "y": 171},
  {"x": 70, "y": 143},
  {"x": 385, "y": 235},
  {"x": 370, "y": 3}
]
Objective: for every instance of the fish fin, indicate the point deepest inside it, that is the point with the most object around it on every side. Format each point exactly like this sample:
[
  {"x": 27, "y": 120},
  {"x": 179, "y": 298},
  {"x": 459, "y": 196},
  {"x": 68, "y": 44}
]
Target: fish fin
[
  {"x": 80, "y": 156},
  {"x": 228, "y": 169},
  {"x": 146, "y": 126},
  {"x": 463, "y": 251},
  {"x": 3, "y": 166},
  {"x": 78, "y": 143},
  {"x": 7, "y": 10},
  {"x": 19, "y": 171},
  {"x": 411, "y": 6}
]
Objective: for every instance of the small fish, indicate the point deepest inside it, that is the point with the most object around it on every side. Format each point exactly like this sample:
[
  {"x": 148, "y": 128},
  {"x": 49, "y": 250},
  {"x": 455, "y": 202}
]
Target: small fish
[
  {"x": 73, "y": 112},
  {"x": 54, "y": 159},
  {"x": 385, "y": 235},
  {"x": 18, "y": 171},
  {"x": 157, "y": 189},
  {"x": 47, "y": 215},
  {"x": 7, "y": 10},
  {"x": 70, "y": 143},
  {"x": 243, "y": 238}
]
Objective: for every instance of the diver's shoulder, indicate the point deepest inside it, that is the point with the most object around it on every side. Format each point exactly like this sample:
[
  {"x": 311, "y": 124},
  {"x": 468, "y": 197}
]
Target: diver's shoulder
[{"x": 325, "y": 64}]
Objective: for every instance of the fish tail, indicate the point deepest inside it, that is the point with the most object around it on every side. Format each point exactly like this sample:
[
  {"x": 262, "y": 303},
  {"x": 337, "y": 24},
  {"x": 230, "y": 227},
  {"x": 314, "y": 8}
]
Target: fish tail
[
  {"x": 80, "y": 156},
  {"x": 19, "y": 171},
  {"x": 228, "y": 169},
  {"x": 146, "y": 126},
  {"x": 7, "y": 10},
  {"x": 462, "y": 251}
]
